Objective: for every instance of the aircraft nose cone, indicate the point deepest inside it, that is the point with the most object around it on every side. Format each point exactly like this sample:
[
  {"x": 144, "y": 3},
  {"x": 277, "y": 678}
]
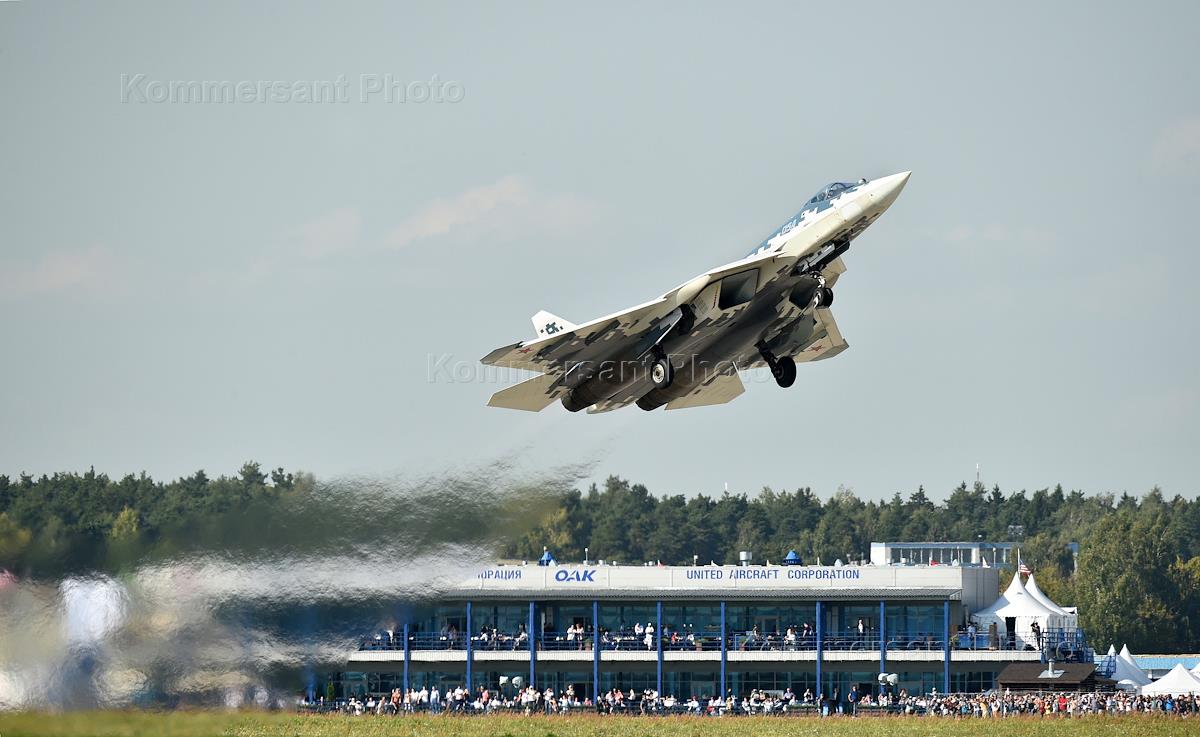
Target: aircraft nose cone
[{"x": 888, "y": 189}]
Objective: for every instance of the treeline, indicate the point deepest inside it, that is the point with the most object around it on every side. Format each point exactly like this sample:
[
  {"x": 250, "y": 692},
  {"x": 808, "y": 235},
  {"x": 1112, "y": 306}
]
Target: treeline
[
  {"x": 71, "y": 522},
  {"x": 1138, "y": 577}
]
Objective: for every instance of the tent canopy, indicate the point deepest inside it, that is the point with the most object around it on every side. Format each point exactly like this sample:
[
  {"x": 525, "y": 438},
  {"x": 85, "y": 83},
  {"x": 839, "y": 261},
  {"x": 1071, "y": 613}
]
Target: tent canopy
[
  {"x": 1127, "y": 669},
  {"x": 1032, "y": 589},
  {"x": 1017, "y": 602},
  {"x": 1177, "y": 682},
  {"x": 1018, "y": 605}
]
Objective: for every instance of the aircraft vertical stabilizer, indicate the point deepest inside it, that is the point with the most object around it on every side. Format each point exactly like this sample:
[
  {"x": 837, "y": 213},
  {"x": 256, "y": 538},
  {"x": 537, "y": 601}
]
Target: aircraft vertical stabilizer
[{"x": 546, "y": 324}]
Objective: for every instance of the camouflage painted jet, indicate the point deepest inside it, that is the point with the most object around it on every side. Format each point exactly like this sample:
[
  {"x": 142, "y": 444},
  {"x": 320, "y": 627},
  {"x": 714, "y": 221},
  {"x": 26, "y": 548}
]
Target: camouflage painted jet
[{"x": 685, "y": 348}]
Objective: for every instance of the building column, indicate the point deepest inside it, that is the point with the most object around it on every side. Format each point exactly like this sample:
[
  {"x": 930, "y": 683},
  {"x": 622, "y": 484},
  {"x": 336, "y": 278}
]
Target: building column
[
  {"x": 470, "y": 647},
  {"x": 724, "y": 650},
  {"x": 532, "y": 646},
  {"x": 595, "y": 652},
  {"x": 820, "y": 646},
  {"x": 407, "y": 656},
  {"x": 882, "y": 636},
  {"x": 658, "y": 644},
  {"x": 946, "y": 646}
]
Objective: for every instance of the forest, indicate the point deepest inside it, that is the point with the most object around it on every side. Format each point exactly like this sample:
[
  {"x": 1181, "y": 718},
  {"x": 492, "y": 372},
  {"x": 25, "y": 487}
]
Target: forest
[{"x": 1136, "y": 579}]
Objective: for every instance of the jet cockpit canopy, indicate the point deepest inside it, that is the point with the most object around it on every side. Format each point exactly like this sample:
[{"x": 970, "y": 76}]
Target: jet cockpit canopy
[{"x": 835, "y": 189}]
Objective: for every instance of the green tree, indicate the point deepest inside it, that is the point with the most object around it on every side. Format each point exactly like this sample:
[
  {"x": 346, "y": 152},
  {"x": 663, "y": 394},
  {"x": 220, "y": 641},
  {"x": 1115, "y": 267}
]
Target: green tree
[
  {"x": 126, "y": 526},
  {"x": 14, "y": 541},
  {"x": 1120, "y": 589}
]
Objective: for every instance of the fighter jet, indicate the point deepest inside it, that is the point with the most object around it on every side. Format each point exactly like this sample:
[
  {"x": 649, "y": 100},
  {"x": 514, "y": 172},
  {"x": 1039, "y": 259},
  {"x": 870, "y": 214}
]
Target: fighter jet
[{"x": 685, "y": 348}]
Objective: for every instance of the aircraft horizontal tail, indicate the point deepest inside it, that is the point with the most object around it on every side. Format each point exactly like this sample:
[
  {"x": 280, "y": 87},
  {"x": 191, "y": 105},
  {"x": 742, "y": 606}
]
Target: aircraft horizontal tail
[{"x": 531, "y": 395}]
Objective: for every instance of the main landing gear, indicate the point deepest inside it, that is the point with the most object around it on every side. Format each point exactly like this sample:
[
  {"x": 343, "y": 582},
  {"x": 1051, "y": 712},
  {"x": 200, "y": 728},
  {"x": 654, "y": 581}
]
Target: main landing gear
[
  {"x": 783, "y": 369},
  {"x": 661, "y": 372}
]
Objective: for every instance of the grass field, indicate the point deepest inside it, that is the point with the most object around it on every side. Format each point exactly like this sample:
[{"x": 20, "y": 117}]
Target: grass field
[{"x": 239, "y": 724}]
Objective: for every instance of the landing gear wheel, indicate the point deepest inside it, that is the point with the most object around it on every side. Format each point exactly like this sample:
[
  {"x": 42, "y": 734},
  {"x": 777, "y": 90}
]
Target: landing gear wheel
[
  {"x": 784, "y": 371},
  {"x": 824, "y": 297},
  {"x": 661, "y": 373}
]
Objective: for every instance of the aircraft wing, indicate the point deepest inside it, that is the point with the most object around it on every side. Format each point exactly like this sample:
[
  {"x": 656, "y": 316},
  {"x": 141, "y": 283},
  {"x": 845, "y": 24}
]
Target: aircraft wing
[
  {"x": 721, "y": 389},
  {"x": 606, "y": 336},
  {"x": 826, "y": 341},
  {"x": 548, "y": 355}
]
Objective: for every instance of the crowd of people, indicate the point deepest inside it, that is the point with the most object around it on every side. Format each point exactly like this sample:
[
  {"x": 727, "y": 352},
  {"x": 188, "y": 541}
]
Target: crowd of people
[{"x": 530, "y": 700}]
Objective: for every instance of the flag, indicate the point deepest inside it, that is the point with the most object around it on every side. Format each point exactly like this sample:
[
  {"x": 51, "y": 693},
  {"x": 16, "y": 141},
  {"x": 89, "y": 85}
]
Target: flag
[{"x": 1025, "y": 569}]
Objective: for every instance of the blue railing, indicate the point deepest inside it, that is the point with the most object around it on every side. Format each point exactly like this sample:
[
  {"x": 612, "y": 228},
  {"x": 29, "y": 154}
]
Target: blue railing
[
  {"x": 385, "y": 641},
  {"x": 703, "y": 642},
  {"x": 1066, "y": 645},
  {"x": 1063, "y": 645},
  {"x": 565, "y": 641},
  {"x": 693, "y": 642}
]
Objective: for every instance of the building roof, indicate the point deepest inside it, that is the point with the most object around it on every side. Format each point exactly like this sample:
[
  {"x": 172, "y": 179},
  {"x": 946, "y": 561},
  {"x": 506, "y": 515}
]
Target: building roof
[
  {"x": 1065, "y": 677},
  {"x": 1167, "y": 662}
]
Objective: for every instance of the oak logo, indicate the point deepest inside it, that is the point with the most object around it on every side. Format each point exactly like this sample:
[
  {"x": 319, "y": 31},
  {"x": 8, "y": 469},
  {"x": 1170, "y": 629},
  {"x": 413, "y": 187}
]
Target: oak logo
[{"x": 578, "y": 576}]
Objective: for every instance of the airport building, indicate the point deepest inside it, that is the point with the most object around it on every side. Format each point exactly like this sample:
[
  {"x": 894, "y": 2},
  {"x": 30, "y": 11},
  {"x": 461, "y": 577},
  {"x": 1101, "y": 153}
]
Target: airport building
[
  {"x": 704, "y": 630},
  {"x": 979, "y": 552}
]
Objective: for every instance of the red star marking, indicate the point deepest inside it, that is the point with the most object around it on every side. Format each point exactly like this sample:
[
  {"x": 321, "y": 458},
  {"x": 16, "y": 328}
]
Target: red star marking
[
  {"x": 524, "y": 350},
  {"x": 816, "y": 348}
]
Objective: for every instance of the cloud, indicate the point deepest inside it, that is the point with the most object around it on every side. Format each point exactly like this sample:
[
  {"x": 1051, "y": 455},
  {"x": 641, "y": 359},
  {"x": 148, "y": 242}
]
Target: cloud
[
  {"x": 1177, "y": 147},
  {"x": 328, "y": 234},
  {"x": 90, "y": 269},
  {"x": 505, "y": 208}
]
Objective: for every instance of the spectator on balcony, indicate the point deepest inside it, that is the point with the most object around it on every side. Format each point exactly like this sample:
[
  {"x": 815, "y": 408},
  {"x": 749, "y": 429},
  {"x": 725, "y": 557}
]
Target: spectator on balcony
[
  {"x": 522, "y": 638},
  {"x": 862, "y": 630},
  {"x": 649, "y": 636},
  {"x": 971, "y": 632}
]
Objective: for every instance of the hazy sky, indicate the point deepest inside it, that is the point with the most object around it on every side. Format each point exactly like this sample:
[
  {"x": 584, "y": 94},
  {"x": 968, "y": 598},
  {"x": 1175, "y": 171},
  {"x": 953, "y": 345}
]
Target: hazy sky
[{"x": 188, "y": 285}]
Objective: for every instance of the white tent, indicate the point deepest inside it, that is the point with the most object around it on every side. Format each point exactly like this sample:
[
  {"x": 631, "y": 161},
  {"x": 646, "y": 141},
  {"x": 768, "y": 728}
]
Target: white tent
[
  {"x": 1195, "y": 671},
  {"x": 1127, "y": 669},
  {"x": 1175, "y": 683},
  {"x": 1018, "y": 607},
  {"x": 1070, "y": 619}
]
